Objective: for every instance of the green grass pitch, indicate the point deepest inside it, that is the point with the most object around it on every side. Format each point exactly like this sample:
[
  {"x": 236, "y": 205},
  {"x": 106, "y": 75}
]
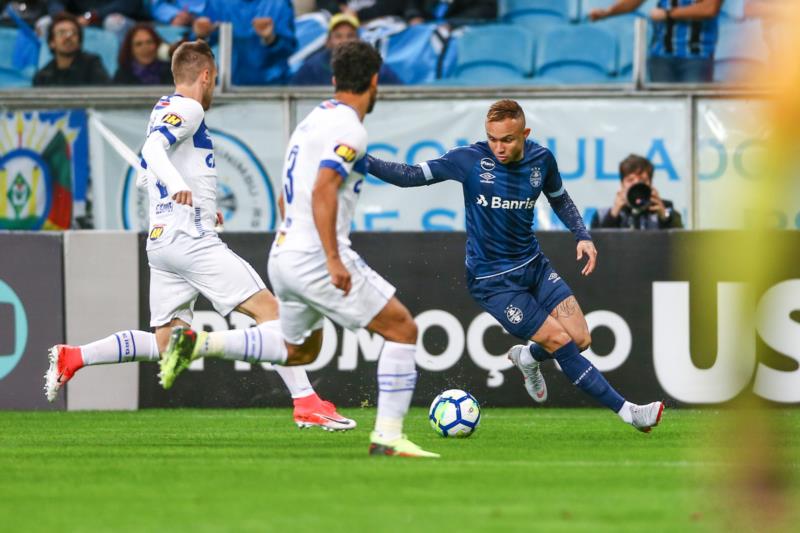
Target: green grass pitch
[{"x": 252, "y": 470}]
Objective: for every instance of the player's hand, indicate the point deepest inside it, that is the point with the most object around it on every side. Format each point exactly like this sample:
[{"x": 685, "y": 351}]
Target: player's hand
[
  {"x": 658, "y": 14},
  {"x": 203, "y": 27},
  {"x": 587, "y": 248},
  {"x": 657, "y": 205},
  {"x": 265, "y": 28},
  {"x": 598, "y": 14},
  {"x": 340, "y": 277},
  {"x": 183, "y": 197},
  {"x": 220, "y": 219}
]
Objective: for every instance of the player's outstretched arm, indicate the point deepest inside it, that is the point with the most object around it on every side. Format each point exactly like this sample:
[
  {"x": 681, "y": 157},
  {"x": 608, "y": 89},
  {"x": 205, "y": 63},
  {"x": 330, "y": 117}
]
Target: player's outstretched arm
[
  {"x": 154, "y": 152},
  {"x": 399, "y": 174}
]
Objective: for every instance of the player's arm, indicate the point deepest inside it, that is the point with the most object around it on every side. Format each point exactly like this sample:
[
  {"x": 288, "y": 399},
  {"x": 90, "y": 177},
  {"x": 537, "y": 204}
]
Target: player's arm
[
  {"x": 174, "y": 127},
  {"x": 427, "y": 173},
  {"x": 618, "y": 8},
  {"x": 324, "y": 205},
  {"x": 568, "y": 213}
]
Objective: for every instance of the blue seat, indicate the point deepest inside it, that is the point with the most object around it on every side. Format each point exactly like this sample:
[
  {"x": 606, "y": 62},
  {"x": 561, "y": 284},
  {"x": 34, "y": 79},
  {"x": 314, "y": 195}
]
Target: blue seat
[
  {"x": 311, "y": 31},
  {"x": 8, "y": 40},
  {"x": 482, "y": 54},
  {"x": 741, "y": 46},
  {"x": 95, "y": 40},
  {"x": 538, "y": 14},
  {"x": 577, "y": 54},
  {"x": 171, "y": 33},
  {"x": 11, "y": 78}
]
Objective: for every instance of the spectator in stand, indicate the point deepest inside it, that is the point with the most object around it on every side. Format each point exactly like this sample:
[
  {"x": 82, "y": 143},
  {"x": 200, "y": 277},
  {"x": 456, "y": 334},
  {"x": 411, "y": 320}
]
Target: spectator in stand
[
  {"x": 684, "y": 37},
  {"x": 637, "y": 204},
  {"x": 263, "y": 37},
  {"x": 460, "y": 12},
  {"x": 138, "y": 59},
  {"x": 116, "y": 16},
  {"x": 70, "y": 64},
  {"x": 176, "y": 12},
  {"x": 369, "y": 10},
  {"x": 316, "y": 70}
]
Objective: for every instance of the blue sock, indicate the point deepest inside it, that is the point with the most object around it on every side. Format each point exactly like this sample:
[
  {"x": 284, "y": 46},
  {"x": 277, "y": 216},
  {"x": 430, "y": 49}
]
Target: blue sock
[
  {"x": 583, "y": 374},
  {"x": 539, "y": 353}
]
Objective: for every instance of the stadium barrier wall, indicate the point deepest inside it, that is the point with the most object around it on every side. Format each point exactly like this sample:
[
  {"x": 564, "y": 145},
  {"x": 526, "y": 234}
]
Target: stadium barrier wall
[
  {"x": 700, "y": 142},
  {"x": 656, "y": 334}
]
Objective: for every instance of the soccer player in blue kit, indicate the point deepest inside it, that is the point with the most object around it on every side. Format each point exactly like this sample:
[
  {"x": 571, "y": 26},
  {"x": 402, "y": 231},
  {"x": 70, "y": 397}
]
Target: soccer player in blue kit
[{"x": 507, "y": 273}]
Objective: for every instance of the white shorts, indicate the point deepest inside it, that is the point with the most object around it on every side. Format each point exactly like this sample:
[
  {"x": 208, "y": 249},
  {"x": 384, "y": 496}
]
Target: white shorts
[
  {"x": 303, "y": 286},
  {"x": 191, "y": 266}
]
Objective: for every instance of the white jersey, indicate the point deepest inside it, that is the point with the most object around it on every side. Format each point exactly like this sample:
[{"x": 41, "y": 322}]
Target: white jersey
[
  {"x": 178, "y": 155},
  {"x": 331, "y": 136}
]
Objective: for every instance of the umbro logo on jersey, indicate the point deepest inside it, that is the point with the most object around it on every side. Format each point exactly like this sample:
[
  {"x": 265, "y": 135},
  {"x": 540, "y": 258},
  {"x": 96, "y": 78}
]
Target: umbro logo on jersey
[
  {"x": 553, "y": 277},
  {"x": 482, "y": 201},
  {"x": 487, "y": 177},
  {"x": 173, "y": 119}
]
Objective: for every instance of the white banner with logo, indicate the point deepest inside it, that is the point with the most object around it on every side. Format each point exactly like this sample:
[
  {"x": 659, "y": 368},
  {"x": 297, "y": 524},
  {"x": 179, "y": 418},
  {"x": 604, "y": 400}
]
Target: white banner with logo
[
  {"x": 588, "y": 136},
  {"x": 249, "y": 141},
  {"x": 731, "y": 139}
]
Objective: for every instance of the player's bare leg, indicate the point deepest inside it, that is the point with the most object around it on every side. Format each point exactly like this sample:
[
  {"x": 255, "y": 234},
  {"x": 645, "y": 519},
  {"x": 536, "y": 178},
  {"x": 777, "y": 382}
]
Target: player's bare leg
[{"x": 397, "y": 377}]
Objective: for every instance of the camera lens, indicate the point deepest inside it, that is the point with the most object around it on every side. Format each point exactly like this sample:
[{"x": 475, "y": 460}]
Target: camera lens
[{"x": 639, "y": 196}]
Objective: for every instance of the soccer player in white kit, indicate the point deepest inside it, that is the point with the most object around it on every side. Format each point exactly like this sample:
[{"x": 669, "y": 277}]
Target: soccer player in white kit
[
  {"x": 313, "y": 270},
  {"x": 187, "y": 257}
]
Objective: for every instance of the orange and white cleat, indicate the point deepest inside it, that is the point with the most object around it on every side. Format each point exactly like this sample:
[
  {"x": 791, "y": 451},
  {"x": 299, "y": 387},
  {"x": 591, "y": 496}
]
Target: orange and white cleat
[
  {"x": 311, "y": 411},
  {"x": 65, "y": 360}
]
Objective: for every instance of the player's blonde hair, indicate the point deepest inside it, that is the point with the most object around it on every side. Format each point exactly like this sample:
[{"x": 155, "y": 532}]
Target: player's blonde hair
[
  {"x": 503, "y": 109},
  {"x": 190, "y": 59}
]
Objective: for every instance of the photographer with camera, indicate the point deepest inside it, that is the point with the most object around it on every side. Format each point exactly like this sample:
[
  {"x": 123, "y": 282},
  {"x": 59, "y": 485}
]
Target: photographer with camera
[{"x": 637, "y": 204}]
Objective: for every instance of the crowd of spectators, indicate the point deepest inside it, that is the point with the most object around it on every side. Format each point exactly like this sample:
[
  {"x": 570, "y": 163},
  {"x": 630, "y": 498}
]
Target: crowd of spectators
[{"x": 682, "y": 47}]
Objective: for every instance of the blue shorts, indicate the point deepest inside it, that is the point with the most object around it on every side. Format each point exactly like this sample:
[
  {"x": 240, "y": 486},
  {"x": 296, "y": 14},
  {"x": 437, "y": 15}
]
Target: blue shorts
[{"x": 521, "y": 299}]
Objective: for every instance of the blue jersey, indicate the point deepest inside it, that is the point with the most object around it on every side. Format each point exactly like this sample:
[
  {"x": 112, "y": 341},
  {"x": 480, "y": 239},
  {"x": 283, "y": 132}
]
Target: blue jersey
[
  {"x": 499, "y": 201},
  {"x": 684, "y": 38}
]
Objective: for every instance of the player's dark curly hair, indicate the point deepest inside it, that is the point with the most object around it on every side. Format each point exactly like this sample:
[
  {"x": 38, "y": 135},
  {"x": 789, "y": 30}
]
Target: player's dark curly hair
[
  {"x": 635, "y": 163},
  {"x": 354, "y": 64}
]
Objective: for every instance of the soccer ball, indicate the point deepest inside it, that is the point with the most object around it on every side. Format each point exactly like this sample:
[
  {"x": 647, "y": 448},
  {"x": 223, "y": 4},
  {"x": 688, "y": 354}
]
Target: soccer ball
[{"x": 455, "y": 413}]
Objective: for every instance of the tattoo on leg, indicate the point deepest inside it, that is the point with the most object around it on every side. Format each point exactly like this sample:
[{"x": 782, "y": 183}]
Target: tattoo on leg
[{"x": 565, "y": 309}]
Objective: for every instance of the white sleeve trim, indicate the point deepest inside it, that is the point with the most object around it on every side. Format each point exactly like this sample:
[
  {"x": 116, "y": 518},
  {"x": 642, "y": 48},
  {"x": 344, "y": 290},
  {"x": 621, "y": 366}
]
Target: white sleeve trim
[
  {"x": 426, "y": 170},
  {"x": 558, "y": 193}
]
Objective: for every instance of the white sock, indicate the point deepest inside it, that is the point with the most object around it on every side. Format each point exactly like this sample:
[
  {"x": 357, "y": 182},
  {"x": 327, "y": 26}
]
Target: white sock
[
  {"x": 625, "y": 412},
  {"x": 260, "y": 344},
  {"x": 525, "y": 357},
  {"x": 296, "y": 381},
  {"x": 121, "y": 347},
  {"x": 397, "y": 376}
]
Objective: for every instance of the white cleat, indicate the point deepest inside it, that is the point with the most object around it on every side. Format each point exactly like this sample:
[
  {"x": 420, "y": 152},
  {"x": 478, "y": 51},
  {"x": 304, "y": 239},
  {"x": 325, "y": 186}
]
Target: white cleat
[
  {"x": 534, "y": 380},
  {"x": 51, "y": 381},
  {"x": 646, "y": 417}
]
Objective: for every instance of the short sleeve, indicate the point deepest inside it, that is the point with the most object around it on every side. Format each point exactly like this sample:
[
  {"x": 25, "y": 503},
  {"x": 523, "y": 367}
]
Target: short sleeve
[
  {"x": 553, "y": 185},
  {"x": 181, "y": 120},
  {"x": 347, "y": 147},
  {"x": 451, "y": 166}
]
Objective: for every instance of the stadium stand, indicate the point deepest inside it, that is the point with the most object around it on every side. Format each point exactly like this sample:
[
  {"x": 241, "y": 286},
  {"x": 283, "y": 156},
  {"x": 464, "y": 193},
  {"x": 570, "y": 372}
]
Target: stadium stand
[
  {"x": 741, "y": 46},
  {"x": 311, "y": 31},
  {"x": 577, "y": 54},
  {"x": 480, "y": 63},
  {"x": 9, "y": 75},
  {"x": 95, "y": 40},
  {"x": 538, "y": 14}
]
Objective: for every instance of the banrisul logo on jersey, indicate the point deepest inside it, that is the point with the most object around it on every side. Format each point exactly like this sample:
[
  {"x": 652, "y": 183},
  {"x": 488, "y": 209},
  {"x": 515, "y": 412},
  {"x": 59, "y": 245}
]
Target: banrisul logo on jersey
[
  {"x": 244, "y": 191},
  {"x": 42, "y": 165}
]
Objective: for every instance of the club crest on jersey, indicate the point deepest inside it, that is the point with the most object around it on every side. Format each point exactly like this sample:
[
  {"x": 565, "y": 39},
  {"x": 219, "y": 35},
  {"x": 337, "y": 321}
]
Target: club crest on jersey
[
  {"x": 487, "y": 177},
  {"x": 487, "y": 164},
  {"x": 173, "y": 119},
  {"x": 156, "y": 232},
  {"x": 514, "y": 314},
  {"x": 347, "y": 153},
  {"x": 536, "y": 177}
]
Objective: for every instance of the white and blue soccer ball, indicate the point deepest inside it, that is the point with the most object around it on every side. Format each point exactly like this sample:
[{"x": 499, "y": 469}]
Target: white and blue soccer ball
[{"x": 455, "y": 413}]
